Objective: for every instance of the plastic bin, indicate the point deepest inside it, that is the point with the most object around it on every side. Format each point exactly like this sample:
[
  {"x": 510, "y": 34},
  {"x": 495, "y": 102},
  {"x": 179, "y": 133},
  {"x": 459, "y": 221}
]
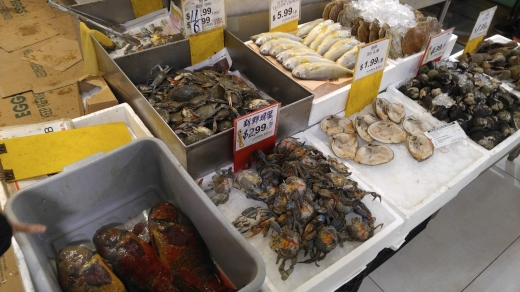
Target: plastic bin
[{"x": 118, "y": 186}]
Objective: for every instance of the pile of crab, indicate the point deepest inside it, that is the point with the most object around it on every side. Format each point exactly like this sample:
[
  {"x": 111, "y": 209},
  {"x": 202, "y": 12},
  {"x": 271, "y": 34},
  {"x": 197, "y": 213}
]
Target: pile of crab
[
  {"x": 198, "y": 104},
  {"x": 308, "y": 197}
]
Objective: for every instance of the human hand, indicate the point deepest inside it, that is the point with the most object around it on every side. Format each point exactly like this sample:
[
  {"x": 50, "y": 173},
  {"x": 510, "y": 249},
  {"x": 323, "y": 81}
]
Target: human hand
[{"x": 26, "y": 227}]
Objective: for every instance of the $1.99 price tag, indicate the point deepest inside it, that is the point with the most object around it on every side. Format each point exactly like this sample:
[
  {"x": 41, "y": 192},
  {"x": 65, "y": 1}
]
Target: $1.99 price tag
[
  {"x": 203, "y": 15},
  {"x": 436, "y": 46},
  {"x": 283, "y": 11},
  {"x": 483, "y": 22},
  {"x": 371, "y": 58}
]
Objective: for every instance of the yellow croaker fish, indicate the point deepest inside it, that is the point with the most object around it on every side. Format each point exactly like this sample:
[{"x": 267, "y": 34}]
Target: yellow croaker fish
[
  {"x": 304, "y": 30},
  {"x": 348, "y": 60},
  {"x": 322, "y": 26},
  {"x": 319, "y": 38},
  {"x": 295, "y": 52},
  {"x": 282, "y": 47},
  {"x": 340, "y": 48},
  {"x": 265, "y": 48},
  {"x": 320, "y": 71},
  {"x": 331, "y": 40},
  {"x": 291, "y": 63},
  {"x": 275, "y": 35}
]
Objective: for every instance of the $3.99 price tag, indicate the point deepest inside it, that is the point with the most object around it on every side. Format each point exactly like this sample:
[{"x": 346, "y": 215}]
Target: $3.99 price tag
[
  {"x": 283, "y": 11},
  {"x": 436, "y": 46},
  {"x": 483, "y": 22},
  {"x": 203, "y": 15},
  {"x": 371, "y": 58},
  {"x": 256, "y": 126}
]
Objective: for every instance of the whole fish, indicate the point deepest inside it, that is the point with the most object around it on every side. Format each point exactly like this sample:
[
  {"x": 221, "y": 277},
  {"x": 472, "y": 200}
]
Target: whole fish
[
  {"x": 340, "y": 48},
  {"x": 282, "y": 47},
  {"x": 348, "y": 60},
  {"x": 320, "y": 71},
  {"x": 134, "y": 261},
  {"x": 331, "y": 40},
  {"x": 322, "y": 26},
  {"x": 276, "y": 35},
  {"x": 80, "y": 269},
  {"x": 291, "y": 63},
  {"x": 181, "y": 249},
  {"x": 319, "y": 38},
  {"x": 306, "y": 28},
  {"x": 256, "y": 36},
  {"x": 265, "y": 48},
  {"x": 295, "y": 52}
]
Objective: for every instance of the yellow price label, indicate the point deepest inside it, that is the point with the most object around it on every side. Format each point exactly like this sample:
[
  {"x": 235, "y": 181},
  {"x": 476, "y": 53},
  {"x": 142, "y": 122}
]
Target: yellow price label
[
  {"x": 480, "y": 29},
  {"x": 284, "y": 15},
  {"x": 205, "y": 44},
  {"x": 368, "y": 72}
]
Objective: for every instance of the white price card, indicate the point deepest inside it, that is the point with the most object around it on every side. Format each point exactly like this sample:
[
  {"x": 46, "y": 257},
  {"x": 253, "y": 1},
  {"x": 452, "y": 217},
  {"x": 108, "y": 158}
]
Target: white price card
[
  {"x": 483, "y": 22},
  {"x": 371, "y": 58},
  {"x": 447, "y": 134},
  {"x": 256, "y": 126},
  {"x": 283, "y": 11},
  {"x": 437, "y": 45},
  {"x": 203, "y": 15}
]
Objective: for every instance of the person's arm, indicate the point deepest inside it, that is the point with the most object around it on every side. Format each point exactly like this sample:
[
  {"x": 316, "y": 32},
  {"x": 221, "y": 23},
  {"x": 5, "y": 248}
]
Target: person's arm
[{"x": 6, "y": 232}]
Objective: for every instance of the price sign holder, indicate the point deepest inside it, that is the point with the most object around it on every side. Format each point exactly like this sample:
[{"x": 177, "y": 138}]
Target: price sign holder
[
  {"x": 204, "y": 23},
  {"x": 284, "y": 15},
  {"x": 368, "y": 72},
  {"x": 256, "y": 130},
  {"x": 480, "y": 30},
  {"x": 436, "y": 46}
]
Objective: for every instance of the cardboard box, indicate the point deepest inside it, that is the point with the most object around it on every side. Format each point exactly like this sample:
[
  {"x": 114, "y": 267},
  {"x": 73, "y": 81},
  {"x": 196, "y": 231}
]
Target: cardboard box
[
  {"x": 100, "y": 97},
  {"x": 30, "y": 107}
]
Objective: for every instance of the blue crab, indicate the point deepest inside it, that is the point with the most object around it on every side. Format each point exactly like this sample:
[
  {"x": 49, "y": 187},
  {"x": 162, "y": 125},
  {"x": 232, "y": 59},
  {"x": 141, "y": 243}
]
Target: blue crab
[
  {"x": 254, "y": 220},
  {"x": 287, "y": 246},
  {"x": 221, "y": 186}
]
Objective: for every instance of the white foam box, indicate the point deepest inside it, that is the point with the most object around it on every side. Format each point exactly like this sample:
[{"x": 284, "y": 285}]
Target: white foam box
[
  {"x": 340, "y": 265},
  {"x": 414, "y": 189}
]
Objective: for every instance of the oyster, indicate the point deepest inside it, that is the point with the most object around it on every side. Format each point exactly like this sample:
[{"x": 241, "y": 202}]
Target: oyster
[
  {"x": 379, "y": 105},
  {"x": 361, "y": 124},
  {"x": 334, "y": 125},
  {"x": 415, "y": 126},
  {"x": 344, "y": 145},
  {"x": 386, "y": 132},
  {"x": 395, "y": 112},
  {"x": 374, "y": 155},
  {"x": 420, "y": 147}
]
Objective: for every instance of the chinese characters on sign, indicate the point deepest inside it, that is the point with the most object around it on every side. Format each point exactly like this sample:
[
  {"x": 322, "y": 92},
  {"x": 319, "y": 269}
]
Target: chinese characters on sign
[
  {"x": 436, "y": 46},
  {"x": 371, "y": 58},
  {"x": 255, "y": 127}
]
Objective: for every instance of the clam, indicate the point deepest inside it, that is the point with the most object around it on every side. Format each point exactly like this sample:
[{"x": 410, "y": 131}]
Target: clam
[
  {"x": 362, "y": 123},
  {"x": 374, "y": 155},
  {"x": 420, "y": 147},
  {"x": 395, "y": 112},
  {"x": 379, "y": 105},
  {"x": 334, "y": 125},
  {"x": 487, "y": 139},
  {"x": 415, "y": 126},
  {"x": 344, "y": 145},
  {"x": 386, "y": 132}
]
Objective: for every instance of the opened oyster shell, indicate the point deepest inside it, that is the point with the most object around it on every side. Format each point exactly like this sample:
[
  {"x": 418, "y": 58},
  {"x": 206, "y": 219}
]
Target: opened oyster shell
[
  {"x": 334, "y": 125},
  {"x": 361, "y": 123},
  {"x": 415, "y": 126},
  {"x": 420, "y": 147},
  {"x": 374, "y": 155},
  {"x": 379, "y": 105},
  {"x": 386, "y": 132},
  {"x": 344, "y": 145}
]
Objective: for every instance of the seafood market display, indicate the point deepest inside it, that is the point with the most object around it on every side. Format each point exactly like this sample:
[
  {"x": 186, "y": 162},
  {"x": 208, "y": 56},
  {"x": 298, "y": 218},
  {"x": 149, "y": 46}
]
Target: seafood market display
[
  {"x": 382, "y": 127},
  {"x": 197, "y": 105},
  {"x": 498, "y": 60},
  {"x": 311, "y": 204},
  {"x": 461, "y": 92},
  {"x": 176, "y": 259},
  {"x": 370, "y": 20}
]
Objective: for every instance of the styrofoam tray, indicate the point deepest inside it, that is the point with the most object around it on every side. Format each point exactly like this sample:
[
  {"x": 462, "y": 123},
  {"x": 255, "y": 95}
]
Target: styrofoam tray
[
  {"x": 415, "y": 189},
  {"x": 340, "y": 265}
]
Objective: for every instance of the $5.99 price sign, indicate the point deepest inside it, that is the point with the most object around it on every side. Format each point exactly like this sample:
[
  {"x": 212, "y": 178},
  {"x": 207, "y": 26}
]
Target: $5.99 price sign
[
  {"x": 436, "y": 46},
  {"x": 203, "y": 15},
  {"x": 483, "y": 22},
  {"x": 283, "y": 11},
  {"x": 371, "y": 58}
]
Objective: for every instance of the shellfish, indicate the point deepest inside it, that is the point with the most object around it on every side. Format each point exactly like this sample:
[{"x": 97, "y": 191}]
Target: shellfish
[
  {"x": 361, "y": 123},
  {"x": 415, "y": 126},
  {"x": 344, "y": 145},
  {"x": 334, "y": 125},
  {"x": 395, "y": 112},
  {"x": 374, "y": 155},
  {"x": 379, "y": 105},
  {"x": 420, "y": 147},
  {"x": 386, "y": 132}
]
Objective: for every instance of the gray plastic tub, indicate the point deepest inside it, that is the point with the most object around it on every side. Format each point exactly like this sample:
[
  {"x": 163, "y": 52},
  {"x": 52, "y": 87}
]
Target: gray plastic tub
[{"x": 111, "y": 190}]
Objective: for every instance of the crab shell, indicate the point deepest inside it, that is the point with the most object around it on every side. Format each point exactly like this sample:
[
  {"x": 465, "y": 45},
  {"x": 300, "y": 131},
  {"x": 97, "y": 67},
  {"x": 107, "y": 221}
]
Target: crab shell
[
  {"x": 344, "y": 145},
  {"x": 374, "y": 155},
  {"x": 334, "y": 125},
  {"x": 362, "y": 123},
  {"x": 386, "y": 132},
  {"x": 415, "y": 126},
  {"x": 420, "y": 147}
]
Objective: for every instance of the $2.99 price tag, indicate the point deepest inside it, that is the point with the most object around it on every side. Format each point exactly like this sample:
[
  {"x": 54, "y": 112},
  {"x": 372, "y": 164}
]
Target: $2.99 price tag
[
  {"x": 436, "y": 46},
  {"x": 283, "y": 11},
  {"x": 203, "y": 15},
  {"x": 371, "y": 58},
  {"x": 256, "y": 126},
  {"x": 483, "y": 22}
]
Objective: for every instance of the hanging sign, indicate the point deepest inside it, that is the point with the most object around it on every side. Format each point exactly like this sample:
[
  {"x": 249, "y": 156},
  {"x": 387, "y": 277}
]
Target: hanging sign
[
  {"x": 284, "y": 15},
  {"x": 436, "y": 46},
  {"x": 446, "y": 135},
  {"x": 480, "y": 29},
  {"x": 368, "y": 72},
  {"x": 256, "y": 130}
]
